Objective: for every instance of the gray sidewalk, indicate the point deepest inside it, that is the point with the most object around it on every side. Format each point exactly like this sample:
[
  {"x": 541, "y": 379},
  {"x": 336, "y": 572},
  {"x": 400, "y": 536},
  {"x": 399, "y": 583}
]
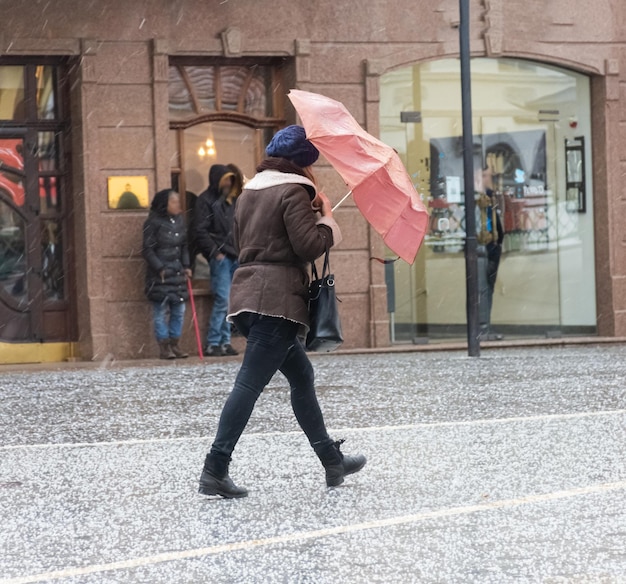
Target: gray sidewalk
[{"x": 507, "y": 468}]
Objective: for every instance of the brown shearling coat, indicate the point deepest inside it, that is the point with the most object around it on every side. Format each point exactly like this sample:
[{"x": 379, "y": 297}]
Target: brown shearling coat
[{"x": 278, "y": 234}]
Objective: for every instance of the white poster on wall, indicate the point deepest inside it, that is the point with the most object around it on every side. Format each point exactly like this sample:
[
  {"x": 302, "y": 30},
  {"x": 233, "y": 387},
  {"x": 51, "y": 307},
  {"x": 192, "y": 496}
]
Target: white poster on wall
[{"x": 453, "y": 189}]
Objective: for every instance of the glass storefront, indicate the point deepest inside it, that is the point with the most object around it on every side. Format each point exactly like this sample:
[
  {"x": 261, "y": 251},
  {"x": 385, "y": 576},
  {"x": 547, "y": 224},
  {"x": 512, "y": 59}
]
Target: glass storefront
[
  {"x": 34, "y": 293},
  {"x": 532, "y": 166}
]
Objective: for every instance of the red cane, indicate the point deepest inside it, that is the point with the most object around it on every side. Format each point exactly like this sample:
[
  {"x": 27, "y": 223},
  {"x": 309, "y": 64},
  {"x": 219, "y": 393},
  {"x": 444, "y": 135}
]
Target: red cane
[{"x": 194, "y": 316}]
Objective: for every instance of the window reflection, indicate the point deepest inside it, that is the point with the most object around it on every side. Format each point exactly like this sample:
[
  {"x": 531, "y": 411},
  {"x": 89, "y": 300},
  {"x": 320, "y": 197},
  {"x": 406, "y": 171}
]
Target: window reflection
[
  {"x": 12, "y": 170},
  {"x": 48, "y": 194},
  {"x": 52, "y": 260},
  {"x": 12, "y": 253},
  {"x": 48, "y": 156},
  {"x": 523, "y": 114},
  {"x": 12, "y": 92},
  {"x": 48, "y": 151},
  {"x": 45, "y": 92},
  {"x": 234, "y": 143}
]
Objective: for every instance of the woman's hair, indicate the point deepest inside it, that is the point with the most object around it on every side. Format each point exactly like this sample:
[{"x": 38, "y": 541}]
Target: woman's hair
[
  {"x": 160, "y": 201},
  {"x": 308, "y": 172},
  {"x": 238, "y": 182}
]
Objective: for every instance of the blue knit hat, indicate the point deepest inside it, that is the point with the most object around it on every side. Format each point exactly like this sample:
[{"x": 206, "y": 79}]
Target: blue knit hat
[{"x": 291, "y": 143}]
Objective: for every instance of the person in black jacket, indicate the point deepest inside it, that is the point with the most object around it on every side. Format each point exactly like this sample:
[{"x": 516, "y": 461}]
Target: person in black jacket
[
  {"x": 490, "y": 238},
  {"x": 166, "y": 253},
  {"x": 214, "y": 214}
]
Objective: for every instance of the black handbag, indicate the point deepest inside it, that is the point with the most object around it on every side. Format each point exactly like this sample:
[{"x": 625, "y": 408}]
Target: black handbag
[{"x": 325, "y": 333}]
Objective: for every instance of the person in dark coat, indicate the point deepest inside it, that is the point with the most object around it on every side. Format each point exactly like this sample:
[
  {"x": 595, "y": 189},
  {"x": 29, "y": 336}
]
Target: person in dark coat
[
  {"x": 214, "y": 214},
  {"x": 167, "y": 256},
  {"x": 278, "y": 232},
  {"x": 490, "y": 239}
]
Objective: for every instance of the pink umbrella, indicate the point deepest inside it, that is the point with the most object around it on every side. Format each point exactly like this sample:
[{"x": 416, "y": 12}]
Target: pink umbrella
[{"x": 378, "y": 181}]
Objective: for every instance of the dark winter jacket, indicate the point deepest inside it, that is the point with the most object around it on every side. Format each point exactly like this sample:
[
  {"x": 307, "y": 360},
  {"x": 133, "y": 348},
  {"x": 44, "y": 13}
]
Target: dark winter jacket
[
  {"x": 165, "y": 249},
  {"x": 214, "y": 216},
  {"x": 278, "y": 235},
  {"x": 499, "y": 227}
]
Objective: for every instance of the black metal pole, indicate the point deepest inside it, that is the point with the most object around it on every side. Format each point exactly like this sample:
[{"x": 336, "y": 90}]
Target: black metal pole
[{"x": 471, "y": 258}]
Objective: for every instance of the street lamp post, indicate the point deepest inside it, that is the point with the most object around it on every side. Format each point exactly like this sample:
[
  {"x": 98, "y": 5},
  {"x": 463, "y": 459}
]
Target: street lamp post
[{"x": 471, "y": 258}]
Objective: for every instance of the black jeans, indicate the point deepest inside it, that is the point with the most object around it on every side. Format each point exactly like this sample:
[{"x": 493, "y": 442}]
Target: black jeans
[
  {"x": 272, "y": 345},
  {"x": 488, "y": 262}
]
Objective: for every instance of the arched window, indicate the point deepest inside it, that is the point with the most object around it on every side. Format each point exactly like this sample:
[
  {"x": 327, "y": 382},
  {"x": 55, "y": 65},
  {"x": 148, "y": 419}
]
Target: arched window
[{"x": 221, "y": 111}]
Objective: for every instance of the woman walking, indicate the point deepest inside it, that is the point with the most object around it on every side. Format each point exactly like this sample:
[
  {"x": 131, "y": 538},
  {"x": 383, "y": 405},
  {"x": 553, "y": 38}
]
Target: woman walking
[
  {"x": 166, "y": 253},
  {"x": 278, "y": 232}
]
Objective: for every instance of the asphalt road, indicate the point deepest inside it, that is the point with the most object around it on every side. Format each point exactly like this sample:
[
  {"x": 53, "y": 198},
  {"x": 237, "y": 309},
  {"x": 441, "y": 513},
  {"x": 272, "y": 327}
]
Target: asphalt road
[{"x": 507, "y": 468}]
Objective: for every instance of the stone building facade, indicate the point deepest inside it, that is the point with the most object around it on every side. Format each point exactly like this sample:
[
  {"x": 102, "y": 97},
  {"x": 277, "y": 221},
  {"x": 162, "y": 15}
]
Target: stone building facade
[{"x": 127, "y": 89}]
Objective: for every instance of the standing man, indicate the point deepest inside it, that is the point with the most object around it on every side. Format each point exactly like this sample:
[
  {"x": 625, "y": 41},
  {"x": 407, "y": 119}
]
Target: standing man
[
  {"x": 490, "y": 237},
  {"x": 214, "y": 218}
]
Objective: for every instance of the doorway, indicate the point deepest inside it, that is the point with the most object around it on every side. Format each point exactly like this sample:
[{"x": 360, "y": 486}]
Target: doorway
[{"x": 35, "y": 243}]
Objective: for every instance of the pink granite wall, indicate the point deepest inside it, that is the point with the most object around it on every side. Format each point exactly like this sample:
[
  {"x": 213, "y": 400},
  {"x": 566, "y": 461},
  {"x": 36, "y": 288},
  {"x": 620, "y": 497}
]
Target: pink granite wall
[{"x": 120, "y": 50}]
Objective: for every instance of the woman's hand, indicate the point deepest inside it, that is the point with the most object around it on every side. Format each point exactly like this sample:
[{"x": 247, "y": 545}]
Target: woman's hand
[
  {"x": 322, "y": 205},
  {"x": 188, "y": 273}
]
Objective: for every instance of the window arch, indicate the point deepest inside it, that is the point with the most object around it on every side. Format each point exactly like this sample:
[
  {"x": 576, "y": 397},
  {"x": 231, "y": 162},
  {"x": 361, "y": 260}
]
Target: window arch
[
  {"x": 221, "y": 111},
  {"x": 243, "y": 92}
]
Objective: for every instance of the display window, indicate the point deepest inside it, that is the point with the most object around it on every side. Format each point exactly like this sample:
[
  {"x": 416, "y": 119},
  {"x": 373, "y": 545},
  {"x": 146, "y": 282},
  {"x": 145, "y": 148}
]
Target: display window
[{"x": 533, "y": 193}]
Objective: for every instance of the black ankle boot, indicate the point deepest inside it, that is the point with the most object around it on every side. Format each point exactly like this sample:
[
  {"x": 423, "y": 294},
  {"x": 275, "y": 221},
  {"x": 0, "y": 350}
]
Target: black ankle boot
[
  {"x": 178, "y": 352},
  {"x": 215, "y": 480},
  {"x": 337, "y": 464},
  {"x": 165, "y": 351}
]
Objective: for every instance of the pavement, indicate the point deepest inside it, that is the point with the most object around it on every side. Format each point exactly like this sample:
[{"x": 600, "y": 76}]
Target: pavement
[{"x": 510, "y": 467}]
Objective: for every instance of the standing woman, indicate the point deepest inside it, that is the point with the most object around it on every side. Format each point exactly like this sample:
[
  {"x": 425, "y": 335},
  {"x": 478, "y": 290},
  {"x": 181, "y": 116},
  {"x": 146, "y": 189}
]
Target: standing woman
[
  {"x": 167, "y": 255},
  {"x": 278, "y": 233}
]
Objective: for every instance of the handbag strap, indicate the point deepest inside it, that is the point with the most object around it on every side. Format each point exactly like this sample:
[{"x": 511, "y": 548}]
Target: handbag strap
[{"x": 325, "y": 267}]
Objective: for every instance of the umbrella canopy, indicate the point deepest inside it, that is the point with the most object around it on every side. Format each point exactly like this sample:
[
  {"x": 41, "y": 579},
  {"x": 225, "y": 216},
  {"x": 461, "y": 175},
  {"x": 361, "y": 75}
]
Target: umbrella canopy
[{"x": 380, "y": 185}]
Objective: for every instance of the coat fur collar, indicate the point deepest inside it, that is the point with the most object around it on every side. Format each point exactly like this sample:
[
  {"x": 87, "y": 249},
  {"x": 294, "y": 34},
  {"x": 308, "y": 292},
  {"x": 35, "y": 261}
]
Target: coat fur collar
[{"x": 273, "y": 178}]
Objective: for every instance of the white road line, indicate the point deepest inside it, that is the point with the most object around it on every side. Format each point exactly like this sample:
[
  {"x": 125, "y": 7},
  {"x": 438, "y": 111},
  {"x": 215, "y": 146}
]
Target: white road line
[
  {"x": 424, "y": 425},
  {"x": 315, "y": 534},
  {"x": 491, "y": 421}
]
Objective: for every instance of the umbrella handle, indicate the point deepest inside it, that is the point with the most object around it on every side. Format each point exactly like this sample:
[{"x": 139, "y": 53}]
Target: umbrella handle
[{"x": 342, "y": 200}]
